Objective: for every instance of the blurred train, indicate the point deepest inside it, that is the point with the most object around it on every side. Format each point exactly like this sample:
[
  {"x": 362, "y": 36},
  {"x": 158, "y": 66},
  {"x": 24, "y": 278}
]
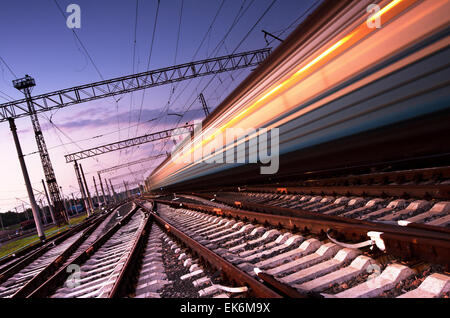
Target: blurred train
[{"x": 354, "y": 85}]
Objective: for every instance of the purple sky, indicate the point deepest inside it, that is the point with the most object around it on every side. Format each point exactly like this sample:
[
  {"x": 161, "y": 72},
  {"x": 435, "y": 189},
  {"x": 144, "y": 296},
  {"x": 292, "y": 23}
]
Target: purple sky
[{"x": 35, "y": 41}]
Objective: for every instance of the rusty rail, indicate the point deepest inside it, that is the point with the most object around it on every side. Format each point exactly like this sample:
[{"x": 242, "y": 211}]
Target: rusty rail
[
  {"x": 440, "y": 191},
  {"x": 414, "y": 241},
  {"x": 283, "y": 288},
  {"x": 233, "y": 273}
]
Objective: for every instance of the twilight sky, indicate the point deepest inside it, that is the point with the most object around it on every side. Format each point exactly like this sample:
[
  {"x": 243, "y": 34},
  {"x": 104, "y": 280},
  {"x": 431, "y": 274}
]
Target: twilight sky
[{"x": 35, "y": 40}]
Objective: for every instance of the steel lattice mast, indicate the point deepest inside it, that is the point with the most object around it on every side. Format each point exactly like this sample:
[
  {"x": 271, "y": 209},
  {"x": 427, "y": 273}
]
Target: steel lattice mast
[
  {"x": 25, "y": 84},
  {"x": 204, "y": 105},
  {"x": 31, "y": 106}
]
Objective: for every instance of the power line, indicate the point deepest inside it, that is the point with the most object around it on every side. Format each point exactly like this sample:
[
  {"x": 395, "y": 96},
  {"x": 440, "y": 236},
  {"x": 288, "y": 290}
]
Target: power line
[
  {"x": 148, "y": 62},
  {"x": 238, "y": 16},
  {"x": 56, "y": 129},
  {"x": 215, "y": 51},
  {"x": 209, "y": 28},
  {"x": 92, "y": 62},
  {"x": 179, "y": 32},
  {"x": 174, "y": 86},
  {"x": 253, "y": 27},
  {"x": 134, "y": 58},
  {"x": 9, "y": 68},
  {"x": 295, "y": 21},
  {"x": 239, "y": 44},
  {"x": 81, "y": 43},
  {"x": 9, "y": 98},
  {"x": 166, "y": 107}
]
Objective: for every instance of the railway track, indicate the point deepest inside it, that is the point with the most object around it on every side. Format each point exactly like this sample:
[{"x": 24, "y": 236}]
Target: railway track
[
  {"x": 303, "y": 264},
  {"x": 419, "y": 196},
  {"x": 91, "y": 271},
  {"x": 377, "y": 209},
  {"x": 191, "y": 247},
  {"x": 23, "y": 275}
]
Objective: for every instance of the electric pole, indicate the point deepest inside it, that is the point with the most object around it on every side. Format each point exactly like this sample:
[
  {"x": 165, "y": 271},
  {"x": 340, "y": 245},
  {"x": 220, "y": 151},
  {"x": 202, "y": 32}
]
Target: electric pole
[
  {"x": 114, "y": 192},
  {"x": 205, "y": 107},
  {"x": 25, "y": 211},
  {"x": 87, "y": 189},
  {"x": 48, "y": 201},
  {"x": 74, "y": 203},
  {"x": 66, "y": 214},
  {"x": 96, "y": 191},
  {"x": 103, "y": 190},
  {"x": 44, "y": 219},
  {"x": 80, "y": 183},
  {"x": 111, "y": 198},
  {"x": 25, "y": 85},
  {"x": 127, "y": 195},
  {"x": 26, "y": 177}
]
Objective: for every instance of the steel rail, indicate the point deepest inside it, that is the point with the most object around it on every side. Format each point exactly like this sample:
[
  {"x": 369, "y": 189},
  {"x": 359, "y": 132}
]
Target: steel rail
[
  {"x": 26, "y": 251},
  {"x": 414, "y": 241},
  {"x": 58, "y": 279},
  {"x": 438, "y": 191},
  {"x": 125, "y": 280},
  {"x": 43, "y": 275},
  {"x": 267, "y": 208},
  {"x": 233, "y": 273},
  {"x": 22, "y": 263},
  {"x": 283, "y": 288},
  {"x": 33, "y": 248}
]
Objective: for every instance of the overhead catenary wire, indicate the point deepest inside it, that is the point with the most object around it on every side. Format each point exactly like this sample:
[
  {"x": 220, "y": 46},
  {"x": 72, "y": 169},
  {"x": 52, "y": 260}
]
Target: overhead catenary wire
[
  {"x": 240, "y": 43},
  {"x": 239, "y": 15},
  {"x": 173, "y": 86},
  {"x": 92, "y": 62},
  {"x": 216, "y": 50},
  {"x": 8, "y": 67},
  {"x": 56, "y": 129},
  {"x": 164, "y": 110},
  {"x": 133, "y": 63},
  {"x": 81, "y": 43},
  {"x": 7, "y": 98},
  {"x": 295, "y": 22},
  {"x": 148, "y": 61}
]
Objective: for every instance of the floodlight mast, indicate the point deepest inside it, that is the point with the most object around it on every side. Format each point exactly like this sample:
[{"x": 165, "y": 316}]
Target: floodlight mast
[{"x": 25, "y": 85}]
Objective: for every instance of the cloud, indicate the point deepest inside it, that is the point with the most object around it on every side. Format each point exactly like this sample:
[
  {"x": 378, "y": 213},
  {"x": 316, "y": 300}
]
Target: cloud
[{"x": 87, "y": 119}]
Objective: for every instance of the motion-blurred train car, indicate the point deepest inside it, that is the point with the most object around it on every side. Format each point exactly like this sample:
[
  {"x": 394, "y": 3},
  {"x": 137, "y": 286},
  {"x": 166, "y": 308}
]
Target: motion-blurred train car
[{"x": 353, "y": 85}]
